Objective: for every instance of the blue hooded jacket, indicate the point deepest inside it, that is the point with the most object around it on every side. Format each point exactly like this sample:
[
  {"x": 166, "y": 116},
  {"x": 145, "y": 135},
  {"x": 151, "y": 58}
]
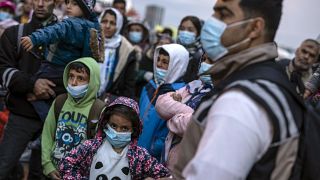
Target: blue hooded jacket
[
  {"x": 155, "y": 129},
  {"x": 71, "y": 37}
]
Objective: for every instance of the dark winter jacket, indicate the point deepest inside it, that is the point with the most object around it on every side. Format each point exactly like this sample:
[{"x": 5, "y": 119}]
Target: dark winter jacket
[{"x": 16, "y": 70}]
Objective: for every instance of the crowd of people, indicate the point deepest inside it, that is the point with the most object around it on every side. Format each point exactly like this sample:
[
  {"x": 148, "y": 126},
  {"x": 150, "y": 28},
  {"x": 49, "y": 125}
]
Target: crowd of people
[{"x": 87, "y": 94}]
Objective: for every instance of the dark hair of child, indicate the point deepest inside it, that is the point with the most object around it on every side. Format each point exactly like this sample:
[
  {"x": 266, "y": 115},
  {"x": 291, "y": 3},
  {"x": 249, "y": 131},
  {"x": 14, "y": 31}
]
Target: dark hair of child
[
  {"x": 163, "y": 52},
  {"x": 79, "y": 67}
]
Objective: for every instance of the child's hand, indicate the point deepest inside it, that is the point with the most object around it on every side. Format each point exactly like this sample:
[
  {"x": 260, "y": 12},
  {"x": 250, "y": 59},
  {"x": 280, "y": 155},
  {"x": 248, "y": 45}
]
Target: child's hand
[
  {"x": 26, "y": 43},
  {"x": 54, "y": 175},
  {"x": 31, "y": 97},
  {"x": 176, "y": 97}
]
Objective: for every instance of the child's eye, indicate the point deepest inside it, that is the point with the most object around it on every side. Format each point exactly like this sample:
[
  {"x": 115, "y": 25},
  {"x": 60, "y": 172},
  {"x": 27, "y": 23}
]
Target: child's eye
[{"x": 113, "y": 126}]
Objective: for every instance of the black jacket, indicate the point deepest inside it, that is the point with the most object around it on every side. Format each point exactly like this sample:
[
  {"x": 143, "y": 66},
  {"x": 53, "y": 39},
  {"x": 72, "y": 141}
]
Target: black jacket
[{"x": 16, "y": 70}]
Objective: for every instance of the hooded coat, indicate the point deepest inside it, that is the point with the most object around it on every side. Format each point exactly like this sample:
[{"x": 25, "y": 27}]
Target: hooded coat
[
  {"x": 141, "y": 164},
  {"x": 119, "y": 80},
  {"x": 72, "y": 38},
  {"x": 61, "y": 136},
  {"x": 155, "y": 129}
]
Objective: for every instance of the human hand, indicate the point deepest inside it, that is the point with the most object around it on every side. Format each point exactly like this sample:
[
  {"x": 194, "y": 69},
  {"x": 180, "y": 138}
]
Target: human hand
[
  {"x": 176, "y": 97},
  {"x": 55, "y": 175},
  {"x": 307, "y": 93},
  {"x": 43, "y": 89},
  {"x": 26, "y": 43},
  {"x": 31, "y": 97}
]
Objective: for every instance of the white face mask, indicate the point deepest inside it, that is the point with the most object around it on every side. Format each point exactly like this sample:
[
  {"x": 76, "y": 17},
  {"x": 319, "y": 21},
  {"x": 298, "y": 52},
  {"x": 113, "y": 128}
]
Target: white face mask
[
  {"x": 77, "y": 91},
  {"x": 211, "y": 34}
]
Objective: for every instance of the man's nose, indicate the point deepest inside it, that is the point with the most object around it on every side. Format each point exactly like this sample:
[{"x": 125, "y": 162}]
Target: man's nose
[{"x": 40, "y": 3}]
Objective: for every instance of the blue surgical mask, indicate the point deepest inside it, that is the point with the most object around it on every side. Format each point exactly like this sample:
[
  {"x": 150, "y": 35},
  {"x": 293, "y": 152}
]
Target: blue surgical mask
[
  {"x": 77, "y": 91},
  {"x": 186, "y": 37},
  {"x": 5, "y": 15},
  {"x": 160, "y": 75},
  {"x": 117, "y": 139},
  {"x": 204, "y": 67},
  {"x": 211, "y": 34},
  {"x": 135, "y": 37}
]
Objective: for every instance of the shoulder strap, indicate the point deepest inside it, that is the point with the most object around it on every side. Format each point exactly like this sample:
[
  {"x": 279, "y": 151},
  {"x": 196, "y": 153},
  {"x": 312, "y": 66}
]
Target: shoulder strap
[
  {"x": 59, "y": 104},
  {"x": 20, "y": 32},
  {"x": 94, "y": 115}
]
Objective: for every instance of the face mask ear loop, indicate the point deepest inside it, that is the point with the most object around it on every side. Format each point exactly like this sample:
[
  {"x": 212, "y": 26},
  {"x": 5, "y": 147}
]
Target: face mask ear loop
[
  {"x": 243, "y": 41},
  {"x": 240, "y": 23}
]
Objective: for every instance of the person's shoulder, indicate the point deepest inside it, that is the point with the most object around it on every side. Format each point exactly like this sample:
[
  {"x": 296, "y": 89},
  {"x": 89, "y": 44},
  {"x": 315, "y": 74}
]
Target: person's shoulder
[
  {"x": 126, "y": 43},
  {"x": 284, "y": 62}
]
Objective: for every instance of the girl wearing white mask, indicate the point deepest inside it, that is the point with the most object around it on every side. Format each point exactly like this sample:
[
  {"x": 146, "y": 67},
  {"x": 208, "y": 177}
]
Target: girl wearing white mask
[
  {"x": 113, "y": 153},
  {"x": 170, "y": 63},
  {"x": 118, "y": 70},
  {"x": 138, "y": 34},
  {"x": 189, "y": 37},
  {"x": 176, "y": 108}
]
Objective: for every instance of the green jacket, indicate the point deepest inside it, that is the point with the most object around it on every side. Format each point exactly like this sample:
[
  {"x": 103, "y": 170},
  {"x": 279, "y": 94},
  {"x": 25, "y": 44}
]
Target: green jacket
[{"x": 61, "y": 136}]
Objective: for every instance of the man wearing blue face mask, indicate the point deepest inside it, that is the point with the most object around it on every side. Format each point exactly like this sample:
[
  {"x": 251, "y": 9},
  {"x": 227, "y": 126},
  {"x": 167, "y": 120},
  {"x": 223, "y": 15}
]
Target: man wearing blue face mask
[
  {"x": 249, "y": 127},
  {"x": 68, "y": 127}
]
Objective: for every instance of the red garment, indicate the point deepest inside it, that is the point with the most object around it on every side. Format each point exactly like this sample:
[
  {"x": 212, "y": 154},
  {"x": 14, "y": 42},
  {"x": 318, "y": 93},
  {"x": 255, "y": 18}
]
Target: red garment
[{"x": 3, "y": 120}]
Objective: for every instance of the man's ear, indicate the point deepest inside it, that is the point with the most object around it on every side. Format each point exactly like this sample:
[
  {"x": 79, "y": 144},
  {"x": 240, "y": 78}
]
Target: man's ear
[{"x": 257, "y": 28}]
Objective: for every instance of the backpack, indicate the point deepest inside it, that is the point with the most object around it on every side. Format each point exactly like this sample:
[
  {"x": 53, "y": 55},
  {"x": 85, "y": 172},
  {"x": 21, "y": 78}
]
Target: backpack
[
  {"x": 94, "y": 113},
  {"x": 307, "y": 165}
]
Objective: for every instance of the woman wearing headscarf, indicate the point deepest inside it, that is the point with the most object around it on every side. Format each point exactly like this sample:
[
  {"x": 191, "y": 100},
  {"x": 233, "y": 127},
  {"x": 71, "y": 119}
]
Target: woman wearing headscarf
[
  {"x": 118, "y": 71},
  {"x": 189, "y": 36}
]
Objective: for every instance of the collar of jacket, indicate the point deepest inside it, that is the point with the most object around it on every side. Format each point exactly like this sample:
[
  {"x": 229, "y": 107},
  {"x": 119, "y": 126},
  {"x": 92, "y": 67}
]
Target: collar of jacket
[
  {"x": 39, "y": 23},
  {"x": 224, "y": 67}
]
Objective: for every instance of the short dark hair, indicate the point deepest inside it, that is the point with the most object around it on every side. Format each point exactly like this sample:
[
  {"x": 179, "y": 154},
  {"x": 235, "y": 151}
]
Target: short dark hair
[
  {"x": 168, "y": 31},
  {"x": 119, "y": 1},
  {"x": 269, "y": 10},
  {"x": 127, "y": 113},
  {"x": 163, "y": 52},
  {"x": 79, "y": 67},
  {"x": 195, "y": 21}
]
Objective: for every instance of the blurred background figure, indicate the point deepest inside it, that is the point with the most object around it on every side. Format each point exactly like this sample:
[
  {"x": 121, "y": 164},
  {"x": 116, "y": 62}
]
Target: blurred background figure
[
  {"x": 7, "y": 11},
  {"x": 299, "y": 70},
  {"x": 120, "y": 5},
  {"x": 189, "y": 37},
  {"x": 138, "y": 35},
  {"x": 25, "y": 13}
]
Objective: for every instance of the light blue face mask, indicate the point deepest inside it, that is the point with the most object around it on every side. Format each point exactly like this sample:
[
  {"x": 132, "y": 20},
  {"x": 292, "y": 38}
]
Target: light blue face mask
[
  {"x": 160, "y": 75},
  {"x": 117, "y": 139},
  {"x": 211, "y": 34},
  {"x": 135, "y": 37},
  {"x": 204, "y": 67},
  {"x": 5, "y": 15},
  {"x": 186, "y": 37},
  {"x": 77, "y": 91}
]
